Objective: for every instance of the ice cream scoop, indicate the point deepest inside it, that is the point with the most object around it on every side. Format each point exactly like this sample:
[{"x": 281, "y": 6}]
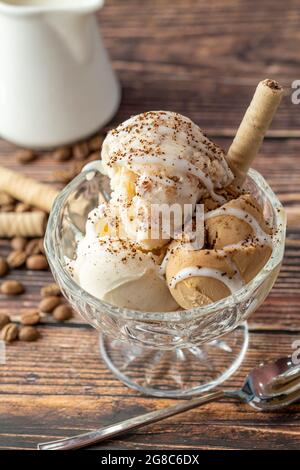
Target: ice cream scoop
[
  {"x": 240, "y": 221},
  {"x": 197, "y": 278},
  {"x": 115, "y": 270},
  {"x": 160, "y": 157},
  {"x": 239, "y": 242}
]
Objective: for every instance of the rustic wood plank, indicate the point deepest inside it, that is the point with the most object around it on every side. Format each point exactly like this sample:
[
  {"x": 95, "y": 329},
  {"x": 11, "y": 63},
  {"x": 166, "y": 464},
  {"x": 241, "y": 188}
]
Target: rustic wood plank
[
  {"x": 205, "y": 59},
  {"x": 73, "y": 392}
]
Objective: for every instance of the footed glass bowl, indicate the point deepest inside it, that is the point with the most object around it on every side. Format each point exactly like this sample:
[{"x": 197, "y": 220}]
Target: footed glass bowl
[{"x": 167, "y": 354}]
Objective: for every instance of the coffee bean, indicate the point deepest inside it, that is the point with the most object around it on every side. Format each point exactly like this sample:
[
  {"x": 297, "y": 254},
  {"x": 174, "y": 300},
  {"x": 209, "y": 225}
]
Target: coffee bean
[
  {"x": 63, "y": 313},
  {"x": 48, "y": 304},
  {"x": 95, "y": 143},
  {"x": 16, "y": 259},
  {"x": 80, "y": 151},
  {"x": 50, "y": 290},
  {"x": 4, "y": 320},
  {"x": 62, "y": 154},
  {"x": 28, "y": 333},
  {"x": 32, "y": 247},
  {"x": 25, "y": 156},
  {"x": 3, "y": 267},
  {"x": 9, "y": 332},
  {"x": 12, "y": 287},
  {"x": 18, "y": 243},
  {"x": 31, "y": 317},
  {"x": 37, "y": 262}
]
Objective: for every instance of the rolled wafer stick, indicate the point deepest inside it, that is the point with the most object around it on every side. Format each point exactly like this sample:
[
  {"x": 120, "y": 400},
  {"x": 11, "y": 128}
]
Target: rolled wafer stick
[
  {"x": 22, "y": 224},
  {"x": 253, "y": 128},
  {"x": 27, "y": 189}
]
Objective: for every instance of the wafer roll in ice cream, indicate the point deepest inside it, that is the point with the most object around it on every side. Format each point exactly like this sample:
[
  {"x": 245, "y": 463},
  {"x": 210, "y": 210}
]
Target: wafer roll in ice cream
[{"x": 253, "y": 128}]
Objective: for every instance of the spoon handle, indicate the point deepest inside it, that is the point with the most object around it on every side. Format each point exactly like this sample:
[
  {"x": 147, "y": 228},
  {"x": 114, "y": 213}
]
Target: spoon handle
[{"x": 116, "y": 429}]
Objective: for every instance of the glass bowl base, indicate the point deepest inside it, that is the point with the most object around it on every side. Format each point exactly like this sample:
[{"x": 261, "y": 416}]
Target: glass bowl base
[{"x": 177, "y": 372}]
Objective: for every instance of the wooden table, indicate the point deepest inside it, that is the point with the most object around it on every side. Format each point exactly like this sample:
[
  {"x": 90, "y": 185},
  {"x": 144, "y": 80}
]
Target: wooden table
[{"x": 202, "y": 59}]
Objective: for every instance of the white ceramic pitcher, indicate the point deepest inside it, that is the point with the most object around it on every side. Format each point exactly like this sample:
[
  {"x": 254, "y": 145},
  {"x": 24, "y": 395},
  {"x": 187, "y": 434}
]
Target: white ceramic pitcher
[{"x": 56, "y": 81}]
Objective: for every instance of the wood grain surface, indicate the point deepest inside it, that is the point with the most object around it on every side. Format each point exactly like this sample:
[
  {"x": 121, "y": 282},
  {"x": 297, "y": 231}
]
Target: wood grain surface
[{"x": 202, "y": 59}]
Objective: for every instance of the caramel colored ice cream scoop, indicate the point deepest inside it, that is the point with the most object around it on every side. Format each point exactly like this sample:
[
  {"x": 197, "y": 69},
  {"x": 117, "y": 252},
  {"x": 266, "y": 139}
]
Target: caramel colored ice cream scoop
[
  {"x": 240, "y": 244},
  {"x": 240, "y": 220},
  {"x": 197, "y": 278}
]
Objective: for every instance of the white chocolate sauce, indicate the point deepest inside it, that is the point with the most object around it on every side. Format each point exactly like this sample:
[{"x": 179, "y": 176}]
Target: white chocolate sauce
[
  {"x": 161, "y": 181},
  {"x": 178, "y": 164}
]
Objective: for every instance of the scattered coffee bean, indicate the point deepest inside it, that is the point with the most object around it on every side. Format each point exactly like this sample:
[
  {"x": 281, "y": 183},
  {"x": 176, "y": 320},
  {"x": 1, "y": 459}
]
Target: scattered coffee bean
[
  {"x": 9, "y": 332},
  {"x": 12, "y": 287},
  {"x": 16, "y": 259},
  {"x": 62, "y": 313},
  {"x": 80, "y": 151},
  {"x": 18, "y": 243},
  {"x": 28, "y": 333},
  {"x": 32, "y": 247},
  {"x": 37, "y": 262},
  {"x": 22, "y": 207},
  {"x": 62, "y": 154},
  {"x": 50, "y": 290},
  {"x": 4, "y": 320},
  {"x": 3, "y": 267},
  {"x": 31, "y": 317},
  {"x": 95, "y": 143},
  {"x": 48, "y": 304},
  {"x": 25, "y": 156}
]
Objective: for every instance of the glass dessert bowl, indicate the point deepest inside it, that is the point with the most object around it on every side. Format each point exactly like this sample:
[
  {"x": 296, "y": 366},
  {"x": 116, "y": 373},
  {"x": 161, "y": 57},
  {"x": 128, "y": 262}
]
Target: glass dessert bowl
[{"x": 168, "y": 354}]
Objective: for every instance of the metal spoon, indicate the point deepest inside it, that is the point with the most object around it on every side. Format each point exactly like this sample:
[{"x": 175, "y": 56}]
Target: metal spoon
[{"x": 269, "y": 386}]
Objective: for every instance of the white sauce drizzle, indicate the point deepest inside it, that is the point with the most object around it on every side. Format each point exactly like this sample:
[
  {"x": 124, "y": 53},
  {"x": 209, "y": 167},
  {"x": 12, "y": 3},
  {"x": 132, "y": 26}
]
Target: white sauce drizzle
[
  {"x": 159, "y": 181},
  {"x": 178, "y": 164}
]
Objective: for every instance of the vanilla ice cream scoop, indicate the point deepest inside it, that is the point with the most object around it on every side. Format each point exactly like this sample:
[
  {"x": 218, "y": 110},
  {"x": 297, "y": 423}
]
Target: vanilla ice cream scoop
[
  {"x": 115, "y": 270},
  {"x": 160, "y": 157}
]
